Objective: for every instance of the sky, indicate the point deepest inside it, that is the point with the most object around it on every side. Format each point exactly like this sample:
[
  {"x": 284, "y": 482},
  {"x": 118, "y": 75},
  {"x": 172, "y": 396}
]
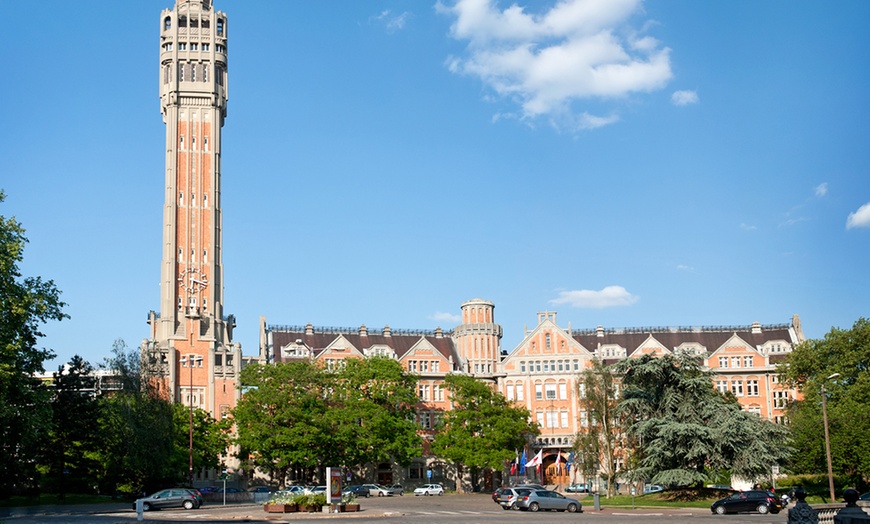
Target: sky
[{"x": 624, "y": 163}]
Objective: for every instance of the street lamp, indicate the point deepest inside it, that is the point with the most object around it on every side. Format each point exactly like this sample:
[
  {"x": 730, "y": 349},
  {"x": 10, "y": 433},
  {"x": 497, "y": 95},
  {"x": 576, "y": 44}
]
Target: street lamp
[
  {"x": 190, "y": 361},
  {"x": 827, "y": 435}
]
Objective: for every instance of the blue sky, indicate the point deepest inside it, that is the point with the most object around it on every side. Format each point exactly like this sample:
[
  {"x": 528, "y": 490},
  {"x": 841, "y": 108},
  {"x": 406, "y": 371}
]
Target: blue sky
[{"x": 624, "y": 163}]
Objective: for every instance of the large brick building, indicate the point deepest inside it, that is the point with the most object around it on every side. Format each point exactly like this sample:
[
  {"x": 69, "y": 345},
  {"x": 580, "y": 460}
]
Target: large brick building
[{"x": 543, "y": 372}]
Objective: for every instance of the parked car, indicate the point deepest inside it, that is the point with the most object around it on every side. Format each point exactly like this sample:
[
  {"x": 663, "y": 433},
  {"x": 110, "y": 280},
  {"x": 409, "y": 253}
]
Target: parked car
[
  {"x": 396, "y": 489},
  {"x": 530, "y": 486},
  {"x": 262, "y": 489},
  {"x": 292, "y": 490},
  {"x": 169, "y": 498},
  {"x": 753, "y": 500},
  {"x": 196, "y": 493},
  {"x": 208, "y": 489},
  {"x": 317, "y": 489},
  {"x": 538, "y": 499},
  {"x": 231, "y": 490},
  {"x": 429, "y": 489},
  {"x": 724, "y": 487},
  {"x": 496, "y": 494},
  {"x": 356, "y": 489},
  {"x": 652, "y": 488},
  {"x": 865, "y": 496},
  {"x": 376, "y": 490},
  {"x": 508, "y": 497},
  {"x": 577, "y": 488}
]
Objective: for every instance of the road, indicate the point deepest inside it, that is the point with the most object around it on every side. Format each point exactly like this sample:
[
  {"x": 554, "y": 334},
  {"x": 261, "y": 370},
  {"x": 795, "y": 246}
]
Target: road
[{"x": 448, "y": 509}]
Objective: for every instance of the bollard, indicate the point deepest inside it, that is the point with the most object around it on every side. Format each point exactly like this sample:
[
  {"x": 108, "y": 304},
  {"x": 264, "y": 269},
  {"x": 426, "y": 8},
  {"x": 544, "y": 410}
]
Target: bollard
[
  {"x": 597, "y": 501},
  {"x": 139, "y": 510}
]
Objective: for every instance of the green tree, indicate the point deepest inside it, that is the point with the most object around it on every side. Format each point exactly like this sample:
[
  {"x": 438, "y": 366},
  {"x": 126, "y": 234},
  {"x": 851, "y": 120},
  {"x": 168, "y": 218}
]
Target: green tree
[
  {"x": 847, "y": 352},
  {"x": 26, "y": 303},
  {"x": 597, "y": 445},
  {"x": 138, "y": 448},
  {"x": 281, "y": 417},
  {"x": 211, "y": 439},
  {"x": 483, "y": 429},
  {"x": 688, "y": 433},
  {"x": 72, "y": 441},
  {"x": 372, "y": 412}
]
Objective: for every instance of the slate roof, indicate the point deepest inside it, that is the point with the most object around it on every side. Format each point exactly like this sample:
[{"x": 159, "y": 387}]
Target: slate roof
[{"x": 400, "y": 342}]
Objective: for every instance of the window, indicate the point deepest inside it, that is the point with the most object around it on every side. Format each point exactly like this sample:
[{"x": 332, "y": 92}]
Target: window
[
  {"x": 722, "y": 386},
  {"x": 423, "y": 391},
  {"x": 564, "y": 416},
  {"x": 193, "y": 47},
  {"x": 546, "y": 367},
  {"x": 737, "y": 388},
  {"x": 584, "y": 419},
  {"x": 538, "y": 366},
  {"x": 181, "y": 141},
  {"x": 205, "y": 46},
  {"x": 522, "y": 367},
  {"x": 551, "y": 391},
  {"x": 747, "y": 361},
  {"x": 723, "y": 362},
  {"x": 752, "y": 387},
  {"x": 510, "y": 392},
  {"x": 182, "y": 46},
  {"x": 425, "y": 419},
  {"x": 540, "y": 418},
  {"x": 193, "y": 79},
  {"x": 735, "y": 362},
  {"x": 220, "y": 27},
  {"x": 581, "y": 390},
  {"x": 576, "y": 365},
  {"x": 539, "y": 392},
  {"x": 547, "y": 340},
  {"x": 424, "y": 366},
  {"x": 780, "y": 399},
  {"x": 552, "y": 420},
  {"x": 439, "y": 393},
  {"x": 520, "y": 394},
  {"x": 755, "y": 409},
  {"x": 412, "y": 366},
  {"x": 563, "y": 391},
  {"x": 167, "y": 23}
]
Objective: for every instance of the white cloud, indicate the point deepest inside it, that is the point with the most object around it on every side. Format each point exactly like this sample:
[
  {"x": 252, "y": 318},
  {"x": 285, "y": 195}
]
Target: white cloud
[
  {"x": 610, "y": 296},
  {"x": 747, "y": 227},
  {"x": 684, "y": 267},
  {"x": 549, "y": 61},
  {"x": 684, "y": 98},
  {"x": 449, "y": 319},
  {"x": 391, "y": 21},
  {"x": 821, "y": 189},
  {"x": 860, "y": 218}
]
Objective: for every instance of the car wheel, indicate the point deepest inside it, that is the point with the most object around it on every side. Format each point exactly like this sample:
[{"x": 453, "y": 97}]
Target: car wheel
[
  {"x": 534, "y": 506},
  {"x": 188, "y": 504},
  {"x": 505, "y": 508},
  {"x": 572, "y": 508},
  {"x": 763, "y": 509},
  {"x": 380, "y": 493},
  {"x": 146, "y": 506},
  {"x": 515, "y": 507},
  {"x": 440, "y": 493},
  {"x": 720, "y": 510}
]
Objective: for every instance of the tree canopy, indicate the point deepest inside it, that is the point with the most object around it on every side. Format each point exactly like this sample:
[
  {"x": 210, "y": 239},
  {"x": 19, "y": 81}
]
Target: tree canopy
[
  {"x": 26, "y": 303},
  {"x": 845, "y": 352},
  {"x": 301, "y": 415},
  {"x": 598, "y": 443},
  {"x": 687, "y": 432},
  {"x": 483, "y": 429}
]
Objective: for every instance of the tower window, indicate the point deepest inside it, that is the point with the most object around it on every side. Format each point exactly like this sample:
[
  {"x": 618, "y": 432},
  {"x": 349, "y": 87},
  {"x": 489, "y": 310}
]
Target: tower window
[
  {"x": 182, "y": 46},
  {"x": 205, "y": 255},
  {"x": 167, "y": 23},
  {"x": 205, "y": 47},
  {"x": 205, "y": 197},
  {"x": 180, "y": 254},
  {"x": 193, "y": 47},
  {"x": 220, "y": 27},
  {"x": 194, "y": 22},
  {"x": 205, "y": 146},
  {"x": 182, "y": 22},
  {"x": 205, "y": 23},
  {"x": 181, "y": 195},
  {"x": 181, "y": 137}
]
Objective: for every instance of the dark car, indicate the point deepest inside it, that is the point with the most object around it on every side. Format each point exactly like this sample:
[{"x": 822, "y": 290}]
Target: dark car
[
  {"x": 169, "y": 498},
  {"x": 196, "y": 493},
  {"x": 231, "y": 490},
  {"x": 262, "y": 489},
  {"x": 865, "y": 496},
  {"x": 359, "y": 491},
  {"x": 544, "y": 499},
  {"x": 746, "y": 501}
]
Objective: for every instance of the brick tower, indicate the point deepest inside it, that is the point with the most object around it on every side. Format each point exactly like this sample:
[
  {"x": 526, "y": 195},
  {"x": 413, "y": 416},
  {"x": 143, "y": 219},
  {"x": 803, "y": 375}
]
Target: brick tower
[
  {"x": 191, "y": 346},
  {"x": 478, "y": 339}
]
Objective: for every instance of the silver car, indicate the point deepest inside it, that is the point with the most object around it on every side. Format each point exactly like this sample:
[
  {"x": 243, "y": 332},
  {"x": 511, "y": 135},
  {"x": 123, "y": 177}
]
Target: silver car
[
  {"x": 538, "y": 499},
  {"x": 508, "y": 497}
]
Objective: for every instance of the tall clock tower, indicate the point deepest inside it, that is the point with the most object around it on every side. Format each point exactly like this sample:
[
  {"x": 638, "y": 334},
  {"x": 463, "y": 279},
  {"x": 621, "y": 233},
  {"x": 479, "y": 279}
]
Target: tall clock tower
[{"x": 191, "y": 348}]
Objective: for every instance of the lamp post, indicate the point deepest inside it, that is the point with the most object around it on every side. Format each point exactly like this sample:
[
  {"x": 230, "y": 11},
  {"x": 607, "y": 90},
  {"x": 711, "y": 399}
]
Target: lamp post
[
  {"x": 189, "y": 361},
  {"x": 827, "y": 435}
]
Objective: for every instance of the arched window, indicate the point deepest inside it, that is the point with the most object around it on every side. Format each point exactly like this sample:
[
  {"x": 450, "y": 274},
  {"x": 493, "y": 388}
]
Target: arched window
[
  {"x": 167, "y": 23},
  {"x": 182, "y": 22},
  {"x": 220, "y": 27}
]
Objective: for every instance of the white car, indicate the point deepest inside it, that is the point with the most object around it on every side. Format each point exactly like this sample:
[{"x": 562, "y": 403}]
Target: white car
[
  {"x": 376, "y": 490},
  {"x": 429, "y": 489}
]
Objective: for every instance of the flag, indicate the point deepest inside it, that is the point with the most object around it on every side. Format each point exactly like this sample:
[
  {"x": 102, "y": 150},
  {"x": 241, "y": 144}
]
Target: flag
[
  {"x": 536, "y": 461},
  {"x": 569, "y": 462},
  {"x": 523, "y": 463},
  {"x": 559, "y": 463}
]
